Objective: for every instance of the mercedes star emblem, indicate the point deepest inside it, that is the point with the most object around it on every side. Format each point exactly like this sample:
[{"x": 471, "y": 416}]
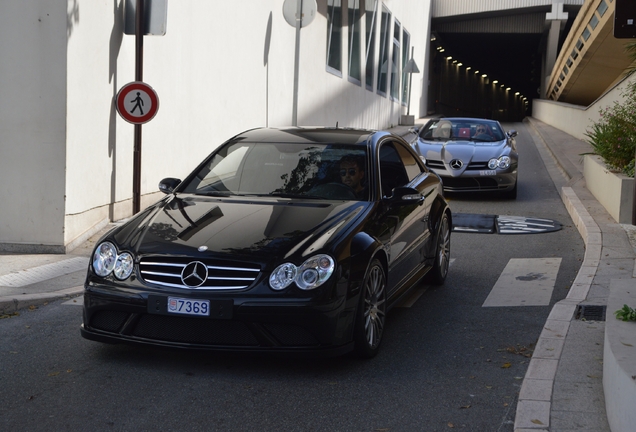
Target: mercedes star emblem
[
  {"x": 456, "y": 164},
  {"x": 194, "y": 274}
]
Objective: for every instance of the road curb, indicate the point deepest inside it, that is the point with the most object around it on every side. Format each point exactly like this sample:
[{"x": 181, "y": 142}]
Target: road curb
[
  {"x": 11, "y": 304},
  {"x": 535, "y": 397}
]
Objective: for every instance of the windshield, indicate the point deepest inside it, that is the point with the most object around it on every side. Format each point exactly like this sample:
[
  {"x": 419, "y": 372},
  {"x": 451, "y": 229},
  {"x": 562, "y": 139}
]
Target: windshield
[
  {"x": 312, "y": 171},
  {"x": 476, "y": 130}
]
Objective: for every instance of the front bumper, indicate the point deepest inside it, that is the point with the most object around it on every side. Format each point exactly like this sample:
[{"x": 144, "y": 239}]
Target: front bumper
[
  {"x": 255, "y": 324},
  {"x": 478, "y": 181}
]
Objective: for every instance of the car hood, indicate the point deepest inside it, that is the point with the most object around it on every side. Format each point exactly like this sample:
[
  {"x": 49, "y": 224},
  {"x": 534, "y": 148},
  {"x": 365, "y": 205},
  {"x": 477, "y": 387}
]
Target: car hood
[
  {"x": 465, "y": 151},
  {"x": 241, "y": 228}
]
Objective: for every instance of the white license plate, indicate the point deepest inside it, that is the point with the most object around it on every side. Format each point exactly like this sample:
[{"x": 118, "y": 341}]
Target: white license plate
[
  {"x": 188, "y": 306},
  {"x": 488, "y": 173}
]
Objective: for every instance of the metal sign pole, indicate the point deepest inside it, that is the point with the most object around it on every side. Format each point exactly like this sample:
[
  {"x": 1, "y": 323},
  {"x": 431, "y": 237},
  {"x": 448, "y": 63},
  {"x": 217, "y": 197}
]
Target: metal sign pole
[
  {"x": 299, "y": 24},
  {"x": 139, "y": 56}
]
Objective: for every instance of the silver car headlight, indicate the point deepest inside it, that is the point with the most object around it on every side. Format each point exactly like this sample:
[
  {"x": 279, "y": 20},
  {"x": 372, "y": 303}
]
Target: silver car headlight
[
  {"x": 106, "y": 260},
  {"x": 311, "y": 274},
  {"x": 503, "y": 162}
]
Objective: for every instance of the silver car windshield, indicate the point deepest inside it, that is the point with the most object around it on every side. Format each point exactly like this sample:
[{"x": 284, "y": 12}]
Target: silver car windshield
[{"x": 477, "y": 131}]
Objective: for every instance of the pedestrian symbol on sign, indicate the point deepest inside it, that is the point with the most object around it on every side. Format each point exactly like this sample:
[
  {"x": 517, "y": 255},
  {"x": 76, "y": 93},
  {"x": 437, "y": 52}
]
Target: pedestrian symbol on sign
[{"x": 137, "y": 102}]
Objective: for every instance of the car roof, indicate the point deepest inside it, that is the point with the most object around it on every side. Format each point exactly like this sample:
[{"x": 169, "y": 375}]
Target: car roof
[{"x": 308, "y": 135}]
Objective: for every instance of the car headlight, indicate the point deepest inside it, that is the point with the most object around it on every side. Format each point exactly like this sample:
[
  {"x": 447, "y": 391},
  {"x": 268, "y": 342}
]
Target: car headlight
[
  {"x": 123, "y": 266},
  {"x": 503, "y": 162},
  {"x": 106, "y": 260},
  {"x": 311, "y": 274}
]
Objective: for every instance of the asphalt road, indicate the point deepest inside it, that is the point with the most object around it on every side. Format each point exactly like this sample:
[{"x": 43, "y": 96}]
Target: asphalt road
[{"x": 447, "y": 362}]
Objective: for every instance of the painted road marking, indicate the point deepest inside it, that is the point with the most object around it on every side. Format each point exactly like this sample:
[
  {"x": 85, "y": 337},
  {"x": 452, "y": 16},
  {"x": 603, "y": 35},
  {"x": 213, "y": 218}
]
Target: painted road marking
[
  {"x": 525, "y": 282},
  {"x": 44, "y": 272}
]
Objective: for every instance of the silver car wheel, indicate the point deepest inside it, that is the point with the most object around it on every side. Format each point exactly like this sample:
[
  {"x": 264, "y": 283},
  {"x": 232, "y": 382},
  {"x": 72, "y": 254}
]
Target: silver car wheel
[{"x": 374, "y": 306}]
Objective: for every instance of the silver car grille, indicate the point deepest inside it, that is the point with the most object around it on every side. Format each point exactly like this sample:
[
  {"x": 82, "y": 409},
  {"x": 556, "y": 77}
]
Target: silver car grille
[
  {"x": 190, "y": 273},
  {"x": 438, "y": 164}
]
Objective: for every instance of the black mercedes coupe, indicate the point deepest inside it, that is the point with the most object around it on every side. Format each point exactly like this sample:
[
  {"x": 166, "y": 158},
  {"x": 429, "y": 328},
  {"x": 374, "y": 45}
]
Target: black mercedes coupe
[{"x": 290, "y": 240}]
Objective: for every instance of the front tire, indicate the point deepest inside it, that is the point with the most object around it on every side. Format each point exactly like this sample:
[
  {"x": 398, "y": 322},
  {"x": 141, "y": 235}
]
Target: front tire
[{"x": 371, "y": 314}]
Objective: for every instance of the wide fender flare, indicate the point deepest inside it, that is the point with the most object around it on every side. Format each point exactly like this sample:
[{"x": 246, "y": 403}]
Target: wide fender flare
[
  {"x": 364, "y": 248},
  {"x": 438, "y": 209}
]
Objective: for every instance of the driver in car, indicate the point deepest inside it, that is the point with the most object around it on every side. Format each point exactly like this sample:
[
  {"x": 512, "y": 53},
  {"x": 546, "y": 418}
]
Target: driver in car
[
  {"x": 481, "y": 132},
  {"x": 352, "y": 175}
]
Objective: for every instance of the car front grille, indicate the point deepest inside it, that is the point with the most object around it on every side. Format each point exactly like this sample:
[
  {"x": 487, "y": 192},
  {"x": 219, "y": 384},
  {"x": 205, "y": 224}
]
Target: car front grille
[
  {"x": 177, "y": 272},
  {"x": 470, "y": 183},
  {"x": 202, "y": 331},
  {"x": 196, "y": 331},
  {"x": 439, "y": 165}
]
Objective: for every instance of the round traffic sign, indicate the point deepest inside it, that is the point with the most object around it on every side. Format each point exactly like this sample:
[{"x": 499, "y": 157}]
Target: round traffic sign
[
  {"x": 137, "y": 102},
  {"x": 307, "y": 14}
]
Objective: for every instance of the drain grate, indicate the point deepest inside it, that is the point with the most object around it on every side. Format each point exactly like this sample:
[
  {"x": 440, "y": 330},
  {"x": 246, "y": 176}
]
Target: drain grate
[{"x": 591, "y": 313}]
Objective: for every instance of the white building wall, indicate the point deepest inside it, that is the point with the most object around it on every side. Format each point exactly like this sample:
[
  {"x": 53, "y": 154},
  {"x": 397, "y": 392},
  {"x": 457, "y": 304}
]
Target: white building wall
[
  {"x": 32, "y": 121},
  {"x": 213, "y": 82}
]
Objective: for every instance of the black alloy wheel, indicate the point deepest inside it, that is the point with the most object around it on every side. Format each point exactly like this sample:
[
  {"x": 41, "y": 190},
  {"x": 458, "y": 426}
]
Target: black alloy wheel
[
  {"x": 437, "y": 275},
  {"x": 371, "y": 315}
]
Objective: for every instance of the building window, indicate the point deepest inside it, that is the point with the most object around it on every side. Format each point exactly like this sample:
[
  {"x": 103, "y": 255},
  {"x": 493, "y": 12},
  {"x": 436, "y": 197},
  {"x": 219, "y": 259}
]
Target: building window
[
  {"x": 594, "y": 21},
  {"x": 334, "y": 36},
  {"x": 586, "y": 34},
  {"x": 385, "y": 41},
  {"x": 355, "y": 72},
  {"x": 406, "y": 47},
  {"x": 371, "y": 6},
  {"x": 574, "y": 54},
  {"x": 579, "y": 45},
  {"x": 395, "y": 61},
  {"x": 602, "y": 8}
]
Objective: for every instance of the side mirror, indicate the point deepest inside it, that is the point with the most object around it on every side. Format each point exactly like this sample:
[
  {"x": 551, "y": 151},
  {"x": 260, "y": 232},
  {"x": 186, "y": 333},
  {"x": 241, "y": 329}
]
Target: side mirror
[
  {"x": 169, "y": 184},
  {"x": 403, "y": 195},
  {"x": 512, "y": 133}
]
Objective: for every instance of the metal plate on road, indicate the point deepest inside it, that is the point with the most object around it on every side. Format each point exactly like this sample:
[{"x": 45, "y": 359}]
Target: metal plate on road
[{"x": 489, "y": 224}]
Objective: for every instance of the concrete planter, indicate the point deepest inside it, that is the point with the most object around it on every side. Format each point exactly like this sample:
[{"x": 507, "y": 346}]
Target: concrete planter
[{"x": 614, "y": 191}]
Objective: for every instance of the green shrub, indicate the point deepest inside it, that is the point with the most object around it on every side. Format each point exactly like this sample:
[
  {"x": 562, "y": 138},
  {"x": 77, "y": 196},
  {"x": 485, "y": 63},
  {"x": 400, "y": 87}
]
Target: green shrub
[
  {"x": 626, "y": 314},
  {"x": 613, "y": 137}
]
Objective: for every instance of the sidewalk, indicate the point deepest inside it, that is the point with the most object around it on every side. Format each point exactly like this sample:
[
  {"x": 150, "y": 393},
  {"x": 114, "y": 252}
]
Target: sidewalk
[
  {"x": 584, "y": 354},
  {"x": 581, "y": 357}
]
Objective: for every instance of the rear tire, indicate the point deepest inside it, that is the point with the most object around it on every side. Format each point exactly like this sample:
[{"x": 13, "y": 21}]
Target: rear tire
[
  {"x": 371, "y": 314},
  {"x": 437, "y": 275}
]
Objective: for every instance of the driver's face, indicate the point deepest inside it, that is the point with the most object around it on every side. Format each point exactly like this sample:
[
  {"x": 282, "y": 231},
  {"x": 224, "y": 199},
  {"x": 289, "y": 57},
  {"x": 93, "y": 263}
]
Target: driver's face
[{"x": 351, "y": 175}]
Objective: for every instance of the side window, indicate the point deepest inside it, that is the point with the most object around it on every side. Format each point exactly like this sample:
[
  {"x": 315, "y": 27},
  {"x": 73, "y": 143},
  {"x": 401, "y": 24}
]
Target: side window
[
  {"x": 412, "y": 167},
  {"x": 334, "y": 36},
  {"x": 392, "y": 172}
]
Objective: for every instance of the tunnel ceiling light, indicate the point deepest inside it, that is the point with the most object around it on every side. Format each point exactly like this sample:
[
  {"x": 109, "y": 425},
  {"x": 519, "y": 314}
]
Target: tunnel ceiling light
[
  {"x": 449, "y": 58},
  {"x": 468, "y": 68},
  {"x": 454, "y": 61},
  {"x": 517, "y": 94},
  {"x": 508, "y": 89},
  {"x": 460, "y": 64},
  {"x": 484, "y": 76},
  {"x": 502, "y": 86},
  {"x": 442, "y": 50},
  {"x": 495, "y": 82},
  {"x": 476, "y": 72}
]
